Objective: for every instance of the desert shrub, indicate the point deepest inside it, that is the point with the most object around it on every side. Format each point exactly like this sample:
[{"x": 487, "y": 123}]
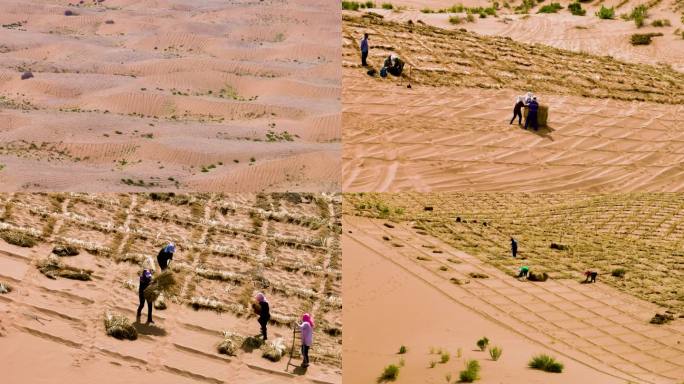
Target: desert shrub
[
  {"x": 164, "y": 283},
  {"x": 52, "y": 267},
  {"x": 545, "y": 363},
  {"x": 18, "y": 238},
  {"x": 387, "y": 6},
  {"x": 455, "y": 19},
  {"x": 495, "y": 353},
  {"x": 550, "y": 8},
  {"x": 26, "y": 75},
  {"x": 638, "y": 14},
  {"x": 227, "y": 347},
  {"x": 576, "y": 9},
  {"x": 538, "y": 276},
  {"x": 559, "y": 247},
  {"x": 471, "y": 372},
  {"x": 274, "y": 350},
  {"x": 369, "y": 4},
  {"x": 119, "y": 327},
  {"x": 5, "y": 288},
  {"x": 618, "y": 272},
  {"x": 662, "y": 318},
  {"x": 351, "y": 5},
  {"x": 661, "y": 23},
  {"x": 65, "y": 250},
  {"x": 402, "y": 349},
  {"x": 643, "y": 38},
  {"x": 606, "y": 13},
  {"x": 478, "y": 275},
  {"x": 444, "y": 357},
  {"x": 390, "y": 373},
  {"x": 483, "y": 343}
]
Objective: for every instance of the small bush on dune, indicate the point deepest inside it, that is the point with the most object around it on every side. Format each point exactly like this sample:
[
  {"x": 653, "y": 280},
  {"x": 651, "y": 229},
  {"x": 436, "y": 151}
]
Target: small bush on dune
[
  {"x": 444, "y": 357},
  {"x": 546, "y": 363},
  {"x": 550, "y": 8},
  {"x": 351, "y": 5},
  {"x": 606, "y": 13},
  {"x": 661, "y": 23},
  {"x": 638, "y": 14},
  {"x": 65, "y": 250},
  {"x": 18, "y": 238},
  {"x": 471, "y": 372},
  {"x": 483, "y": 343},
  {"x": 576, "y": 9},
  {"x": 390, "y": 373},
  {"x": 455, "y": 20},
  {"x": 387, "y": 6},
  {"x": 643, "y": 38},
  {"x": 402, "y": 349},
  {"x": 5, "y": 288},
  {"x": 495, "y": 353},
  {"x": 618, "y": 272},
  {"x": 119, "y": 327}
]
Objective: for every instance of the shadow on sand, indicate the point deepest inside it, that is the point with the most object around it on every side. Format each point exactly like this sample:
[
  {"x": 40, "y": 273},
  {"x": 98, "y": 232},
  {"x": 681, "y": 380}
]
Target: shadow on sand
[
  {"x": 544, "y": 132},
  {"x": 151, "y": 329}
]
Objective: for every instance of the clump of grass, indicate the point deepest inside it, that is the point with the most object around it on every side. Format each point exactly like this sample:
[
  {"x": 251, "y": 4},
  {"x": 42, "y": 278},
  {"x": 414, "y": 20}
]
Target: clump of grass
[
  {"x": 545, "y": 363},
  {"x": 606, "y": 13},
  {"x": 638, "y": 14},
  {"x": 618, "y": 272},
  {"x": 643, "y": 38},
  {"x": 390, "y": 373},
  {"x": 495, "y": 353},
  {"x": 274, "y": 350},
  {"x": 576, "y": 9},
  {"x": 351, "y": 5},
  {"x": 402, "y": 349},
  {"x": 661, "y": 23},
  {"x": 550, "y": 8},
  {"x": 455, "y": 19},
  {"x": 478, "y": 275},
  {"x": 119, "y": 327},
  {"x": 444, "y": 357},
  {"x": 471, "y": 372},
  {"x": 5, "y": 288},
  {"x": 65, "y": 250},
  {"x": 483, "y": 343},
  {"x": 164, "y": 283},
  {"x": 662, "y": 318},
  {"x": 52, "y": 267},
  {"x": 387, "y": 6},
  {"x": 18, "y": 238}
]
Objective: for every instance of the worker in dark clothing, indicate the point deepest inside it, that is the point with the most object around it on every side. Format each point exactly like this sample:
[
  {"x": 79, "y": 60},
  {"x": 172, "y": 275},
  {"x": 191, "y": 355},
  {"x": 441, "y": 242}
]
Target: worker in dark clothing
[
  {"x": 532, "y": 109},
  {"x": 145, "y": 280},
  {"x": 165, "y": 256},
  {"x": 590, "y": 276},
  {"x": 394, "y": 65},
  {"x": 264, "y": 314},
  {"x": 517, "y": 111},
  {"x": 364, "y": 50},
  {"x": 514, "y": 247}
]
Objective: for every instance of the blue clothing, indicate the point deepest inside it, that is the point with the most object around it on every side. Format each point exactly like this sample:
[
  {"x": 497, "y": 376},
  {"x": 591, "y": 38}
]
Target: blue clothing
[
  {"x": 533, "y": 106},
  {"x": 364, "y": 45}
]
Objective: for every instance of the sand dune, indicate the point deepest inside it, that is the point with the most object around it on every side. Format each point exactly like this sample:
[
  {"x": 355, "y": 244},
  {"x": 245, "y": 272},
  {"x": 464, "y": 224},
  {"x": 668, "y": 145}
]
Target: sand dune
[
  {"x": 600, "y": 335},
  {"x": 247, "y": 77},
  {"x": 450, "y": 130},
  {"x": 54, "y": 328}
]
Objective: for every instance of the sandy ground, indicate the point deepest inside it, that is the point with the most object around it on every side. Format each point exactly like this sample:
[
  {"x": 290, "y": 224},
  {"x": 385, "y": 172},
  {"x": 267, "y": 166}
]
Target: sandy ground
[
  {"x": 599, "y": 334},
  {"x": 451, "y": 130},
  {"x": 174, "y": 95},
  {"x": 52, "y": 330},
  {"x": 564, "y": 30}
]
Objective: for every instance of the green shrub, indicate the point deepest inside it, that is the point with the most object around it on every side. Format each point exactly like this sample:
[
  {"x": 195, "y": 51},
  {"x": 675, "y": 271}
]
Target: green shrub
[
  {"x": 643, "y": 38},
  {"x": 390, "y": 373},
  {"x": 483, "y": 343},
  {"x": 661, "y": 23},
  {"x": 618, "y": 272},
  {"x": 351, "y": 5},
  {"x": 444, "y": 357},
  {"x": 402, "y": 349},
  {"x": 455, "y": 19},
  {"x": 546, "y": 363},
  {"x": 471, "y": 373},
  {"x": 606, "y": 13},
  {"x": 369, "y": 4},
  {"x": 495, "y": 353},
  {"x": 387, "y": 6},
  {"x": 550, "y": 8},
  {"x": 576, "y": 9},
  {"x": 638, "y": 14}
]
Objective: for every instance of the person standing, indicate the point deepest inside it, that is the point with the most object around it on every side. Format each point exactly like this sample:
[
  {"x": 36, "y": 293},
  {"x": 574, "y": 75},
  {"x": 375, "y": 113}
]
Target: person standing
[
  {"x": 517, "y": 111},
  {"x": 531, "y": 119},
  {"x": 306, "y": 329},
  {"x": 145, "y": 280},
  {"x": 364, "y": 50},
  {"x": 590, "y": 276},
  {"x": 264, "y": 314},
  {"x": 514, "y": 247},
  {"x": 166, "y": 255}
]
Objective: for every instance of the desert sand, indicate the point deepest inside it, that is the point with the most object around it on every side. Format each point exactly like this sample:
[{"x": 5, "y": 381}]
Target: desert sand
[
  {"x": 228, "y": 248},
  {"x": 613, "y": 120},
  {"x": 400, "y": 289},
  {"x": 170, "y": 95}
]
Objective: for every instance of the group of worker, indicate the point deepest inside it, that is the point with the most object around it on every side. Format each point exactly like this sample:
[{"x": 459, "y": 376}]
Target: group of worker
[
  {"x": 392, "y": 65},
  {"x": 524, "y": 271},
  {"x": 530, "y": 102},
  {"x": 164, "y": 259}
]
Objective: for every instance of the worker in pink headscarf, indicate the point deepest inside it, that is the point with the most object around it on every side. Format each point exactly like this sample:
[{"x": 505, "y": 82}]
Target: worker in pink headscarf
[{"x": 306, "y": 328}]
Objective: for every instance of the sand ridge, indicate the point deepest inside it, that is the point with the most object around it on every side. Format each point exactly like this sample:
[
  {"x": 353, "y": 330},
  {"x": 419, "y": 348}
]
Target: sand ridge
[
  {"x": 178, "y": 95},
  {"x": 591, "y": 324}
]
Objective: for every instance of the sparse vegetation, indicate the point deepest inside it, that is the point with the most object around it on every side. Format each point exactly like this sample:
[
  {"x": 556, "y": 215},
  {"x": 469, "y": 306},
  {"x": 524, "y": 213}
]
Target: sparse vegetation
[
  {"x": 402, "y": 349},
  {"x": 390, "y": 373},
  {"x": 471, "y": 372},
  {"x": 618, "y": 272},
  {"x": 638, "y": 14},
  {"x": 576, "y": 9},
  {"x": 606, "y": 13},
  {"x": 483, "y": 343},
  {"x": 545, "y": 363},
  {"x": 495, "y": 353},
  {"x": 643, "y": 38},
  {"x": 550, "y": 8}
]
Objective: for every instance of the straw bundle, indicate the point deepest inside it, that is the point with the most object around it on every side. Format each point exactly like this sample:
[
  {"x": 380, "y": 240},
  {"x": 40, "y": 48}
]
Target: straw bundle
[
  {"x": 542, "y": 115},
  {"x": 164, "y": 283},
  {"x": 119, "y": 327}
]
